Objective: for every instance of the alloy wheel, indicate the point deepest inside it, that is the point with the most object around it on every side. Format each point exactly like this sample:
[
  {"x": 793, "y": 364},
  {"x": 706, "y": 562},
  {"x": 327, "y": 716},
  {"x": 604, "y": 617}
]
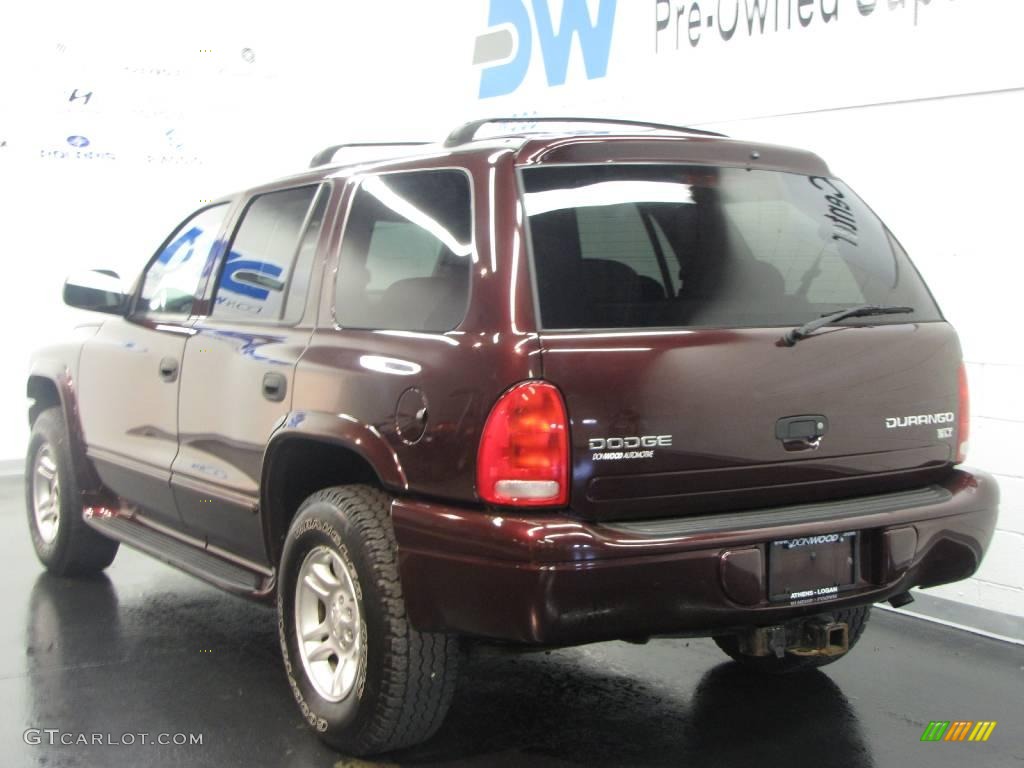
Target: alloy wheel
[
  {"x": 46, "y": 494},
  {"x": 329, "y": 624}
]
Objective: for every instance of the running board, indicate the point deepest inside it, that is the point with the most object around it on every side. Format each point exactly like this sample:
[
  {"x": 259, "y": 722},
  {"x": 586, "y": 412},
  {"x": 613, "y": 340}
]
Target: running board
[{"x": 182, "y": 552}]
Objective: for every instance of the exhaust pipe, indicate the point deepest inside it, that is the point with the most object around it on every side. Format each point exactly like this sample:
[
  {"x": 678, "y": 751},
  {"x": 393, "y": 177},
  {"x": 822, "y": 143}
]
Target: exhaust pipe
[{"x": 903, "y": 598}]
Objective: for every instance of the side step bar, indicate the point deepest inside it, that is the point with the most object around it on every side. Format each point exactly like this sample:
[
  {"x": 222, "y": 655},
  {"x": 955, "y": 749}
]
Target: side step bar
[{"x": 184, "y": 553}]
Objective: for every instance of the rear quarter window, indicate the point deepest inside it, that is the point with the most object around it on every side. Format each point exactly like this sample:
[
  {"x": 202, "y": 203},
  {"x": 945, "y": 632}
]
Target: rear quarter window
[{"x": 407, "y": 253}]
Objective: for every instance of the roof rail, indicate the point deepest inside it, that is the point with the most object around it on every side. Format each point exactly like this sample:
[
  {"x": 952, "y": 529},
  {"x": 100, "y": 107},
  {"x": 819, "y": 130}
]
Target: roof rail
[
  {"x": 326, "y": 155},
  {"x": 465, "y": 133}
]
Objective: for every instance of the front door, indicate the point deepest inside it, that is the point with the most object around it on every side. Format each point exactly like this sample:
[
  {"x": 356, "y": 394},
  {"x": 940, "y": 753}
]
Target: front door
[{"x": 130, "y": 372}]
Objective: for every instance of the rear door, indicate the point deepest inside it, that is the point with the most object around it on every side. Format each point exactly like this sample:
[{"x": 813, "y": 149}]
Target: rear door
[
  {"x": 663, "y": 292},
  {"x": 130, "y": 371},
  {"x": 239, "y": 364}
]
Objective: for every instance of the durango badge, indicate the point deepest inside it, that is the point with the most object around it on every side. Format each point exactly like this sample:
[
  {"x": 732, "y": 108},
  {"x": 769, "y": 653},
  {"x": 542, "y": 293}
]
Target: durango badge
[{"x": 899, "y": 422}]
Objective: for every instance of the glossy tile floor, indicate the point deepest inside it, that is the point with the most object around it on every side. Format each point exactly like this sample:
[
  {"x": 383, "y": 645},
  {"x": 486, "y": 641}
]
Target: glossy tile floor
[{"x": 151, "y": 650}]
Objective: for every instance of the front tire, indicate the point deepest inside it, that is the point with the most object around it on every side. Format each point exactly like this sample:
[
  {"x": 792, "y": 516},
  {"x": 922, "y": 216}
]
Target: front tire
[
  {"x": 855, "y": 618},
  {"x": 363, "y": 677},
  {"x": 63, "y": 541}
]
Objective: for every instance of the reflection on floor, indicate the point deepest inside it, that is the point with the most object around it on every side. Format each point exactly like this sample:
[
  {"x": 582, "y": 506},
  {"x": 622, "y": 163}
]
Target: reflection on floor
[{"x": 149, "y": 650}]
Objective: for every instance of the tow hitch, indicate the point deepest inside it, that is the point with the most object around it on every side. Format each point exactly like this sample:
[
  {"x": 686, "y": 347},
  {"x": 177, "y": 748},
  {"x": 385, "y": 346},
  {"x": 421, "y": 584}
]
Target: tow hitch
[{"x": 820, "y": 636}]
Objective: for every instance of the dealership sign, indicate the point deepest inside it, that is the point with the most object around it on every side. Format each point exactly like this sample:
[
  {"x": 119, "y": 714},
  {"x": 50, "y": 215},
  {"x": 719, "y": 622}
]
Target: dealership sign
[
  {"x": 679, "y": 22},
  {"x": 510, "y": 42}
]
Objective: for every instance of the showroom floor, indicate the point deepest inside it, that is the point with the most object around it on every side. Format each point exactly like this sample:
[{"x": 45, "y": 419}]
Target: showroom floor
[{"x": 150, "y": 650}]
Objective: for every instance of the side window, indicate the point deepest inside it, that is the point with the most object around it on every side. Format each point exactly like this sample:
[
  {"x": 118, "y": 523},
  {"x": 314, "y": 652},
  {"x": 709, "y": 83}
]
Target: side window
[
  {"x": 274, "y": 242},
  {"x": 172, "y": 280},
  {"x": 407, "y": 252}
]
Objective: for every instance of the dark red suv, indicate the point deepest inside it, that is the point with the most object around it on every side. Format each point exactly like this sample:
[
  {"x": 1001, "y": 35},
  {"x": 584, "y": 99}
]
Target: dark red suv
[{"x": 573, "y": 381}]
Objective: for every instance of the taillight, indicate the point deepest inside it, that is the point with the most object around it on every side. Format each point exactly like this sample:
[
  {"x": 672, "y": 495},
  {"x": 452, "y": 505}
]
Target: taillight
[
  {"x": 963, "y": 424},
  {"x": 524, "y": 451}
]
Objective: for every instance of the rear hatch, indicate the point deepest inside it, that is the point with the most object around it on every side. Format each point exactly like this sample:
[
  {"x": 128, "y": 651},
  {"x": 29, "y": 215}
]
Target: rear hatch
[{"x": 663, "y": 292}]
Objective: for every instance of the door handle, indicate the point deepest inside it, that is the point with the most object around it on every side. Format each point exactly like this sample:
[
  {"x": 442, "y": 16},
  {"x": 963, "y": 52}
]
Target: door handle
[
  {"x": 274, "y": 386},
  {"x": 801, "y": 433},
  {"x": 168, "y": 369}
]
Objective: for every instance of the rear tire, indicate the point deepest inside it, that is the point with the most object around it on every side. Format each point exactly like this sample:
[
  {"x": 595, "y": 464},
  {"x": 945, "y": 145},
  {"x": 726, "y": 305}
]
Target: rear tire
[
  {"x": 855, "y": 618},
  {"x": 63, "y": 541},
  {"x": 363, "y": 677}
]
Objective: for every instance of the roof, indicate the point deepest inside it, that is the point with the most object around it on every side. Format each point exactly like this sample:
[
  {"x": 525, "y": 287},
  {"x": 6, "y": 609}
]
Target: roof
[{"x": 572, "y": 141}]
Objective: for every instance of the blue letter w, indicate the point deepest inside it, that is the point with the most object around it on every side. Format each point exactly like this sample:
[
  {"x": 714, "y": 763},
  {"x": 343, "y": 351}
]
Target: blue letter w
[{"x": 595, "y": 41}]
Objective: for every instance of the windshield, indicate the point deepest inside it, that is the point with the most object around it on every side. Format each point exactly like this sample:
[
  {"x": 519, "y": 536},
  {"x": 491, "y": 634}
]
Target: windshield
[{"x": 626, "y": 246}]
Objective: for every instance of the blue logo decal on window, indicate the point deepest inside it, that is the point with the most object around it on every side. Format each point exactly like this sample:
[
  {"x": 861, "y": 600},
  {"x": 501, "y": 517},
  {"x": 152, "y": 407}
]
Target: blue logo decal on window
[
  {"x": 186, "y": 238},
  {"x": 237, "y": 263}
]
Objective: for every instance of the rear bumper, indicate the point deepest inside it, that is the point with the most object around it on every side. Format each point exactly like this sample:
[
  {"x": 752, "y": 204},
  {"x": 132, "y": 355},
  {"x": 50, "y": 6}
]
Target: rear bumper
[{"x": 549, "y": 579}]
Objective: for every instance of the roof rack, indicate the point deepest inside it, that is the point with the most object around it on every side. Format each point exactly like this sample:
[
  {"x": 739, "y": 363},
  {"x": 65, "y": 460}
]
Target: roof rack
[
  {"x": 326, "y": 155},
  {"x": 465, "y": 133}
]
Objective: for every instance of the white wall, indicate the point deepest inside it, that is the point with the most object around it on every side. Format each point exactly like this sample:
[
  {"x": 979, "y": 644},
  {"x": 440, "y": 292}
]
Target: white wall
[{"x": 249, "y": 91}]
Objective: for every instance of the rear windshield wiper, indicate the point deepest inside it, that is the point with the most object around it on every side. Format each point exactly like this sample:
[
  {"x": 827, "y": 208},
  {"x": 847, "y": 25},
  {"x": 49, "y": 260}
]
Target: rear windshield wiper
[{"x": 794, "y": 335}]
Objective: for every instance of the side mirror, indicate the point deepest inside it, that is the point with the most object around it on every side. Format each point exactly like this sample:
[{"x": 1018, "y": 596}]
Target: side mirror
[{"x": 98, "y": 290}]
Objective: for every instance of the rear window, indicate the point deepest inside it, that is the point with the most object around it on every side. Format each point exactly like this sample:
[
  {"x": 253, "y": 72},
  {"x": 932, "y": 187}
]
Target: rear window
[{"x": 697, "y": 246}]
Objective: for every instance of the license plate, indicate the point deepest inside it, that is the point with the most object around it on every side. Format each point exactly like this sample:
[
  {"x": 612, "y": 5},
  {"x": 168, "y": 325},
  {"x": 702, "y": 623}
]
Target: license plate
[{"x": 811, "y": 567}]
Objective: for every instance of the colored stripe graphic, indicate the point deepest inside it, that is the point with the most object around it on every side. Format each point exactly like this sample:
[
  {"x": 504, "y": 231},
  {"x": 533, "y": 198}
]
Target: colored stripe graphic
[
  {"x": 935, "y": 731},
  {"x": 983, "y": 730},
  {"x": 958, "y": 730}
]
